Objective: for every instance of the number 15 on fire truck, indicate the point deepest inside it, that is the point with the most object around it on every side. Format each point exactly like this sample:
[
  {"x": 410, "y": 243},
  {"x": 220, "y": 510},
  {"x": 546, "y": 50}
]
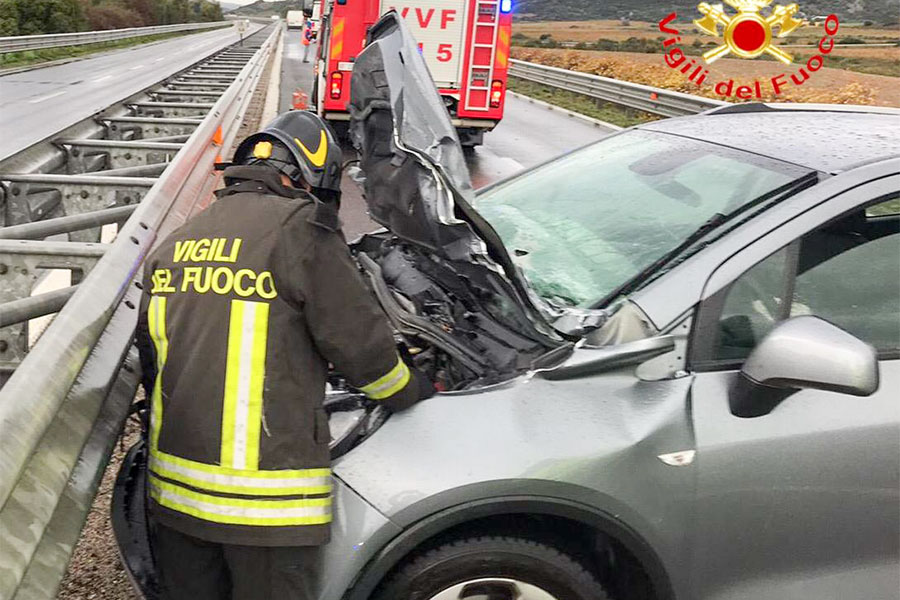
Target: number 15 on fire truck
[{"x": 465, "y": 43}]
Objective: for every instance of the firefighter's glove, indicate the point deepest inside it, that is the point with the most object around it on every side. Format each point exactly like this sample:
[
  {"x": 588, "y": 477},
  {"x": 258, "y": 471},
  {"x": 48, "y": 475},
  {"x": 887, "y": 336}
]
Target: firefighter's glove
[{"x": 419, "y": 388}]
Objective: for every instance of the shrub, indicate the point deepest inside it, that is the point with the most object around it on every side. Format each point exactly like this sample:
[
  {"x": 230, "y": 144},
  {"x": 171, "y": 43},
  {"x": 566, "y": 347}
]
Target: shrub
[
  {"x": 9, "y": 18},
  {"x": 35, "y": 17},
  {"x": 112, "y": 17}
]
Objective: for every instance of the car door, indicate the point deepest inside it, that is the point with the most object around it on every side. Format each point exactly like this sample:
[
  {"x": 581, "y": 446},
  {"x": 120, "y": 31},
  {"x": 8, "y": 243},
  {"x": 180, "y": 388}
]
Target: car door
[{"x": 802, "y": 501}]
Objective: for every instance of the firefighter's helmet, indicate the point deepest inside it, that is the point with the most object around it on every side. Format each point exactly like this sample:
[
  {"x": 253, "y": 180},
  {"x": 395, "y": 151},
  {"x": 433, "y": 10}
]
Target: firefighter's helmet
[{"x": 301, "y": 145}]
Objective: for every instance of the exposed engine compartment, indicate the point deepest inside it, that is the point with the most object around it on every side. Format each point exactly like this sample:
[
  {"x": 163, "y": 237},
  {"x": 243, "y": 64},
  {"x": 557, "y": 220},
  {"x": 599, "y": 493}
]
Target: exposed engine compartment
[{"x": 458, "y": 322}]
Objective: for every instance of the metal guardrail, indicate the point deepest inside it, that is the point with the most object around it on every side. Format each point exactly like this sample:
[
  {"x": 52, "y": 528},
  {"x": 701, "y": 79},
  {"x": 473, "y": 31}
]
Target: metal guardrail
[
  {"x": 650, "y": 99},
  {"x": 62, "y": 408},
  {"x": 20, "y": 43}
]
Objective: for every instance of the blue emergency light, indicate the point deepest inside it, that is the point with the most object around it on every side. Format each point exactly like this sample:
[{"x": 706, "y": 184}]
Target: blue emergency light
[{"x": 505, "y": 6}]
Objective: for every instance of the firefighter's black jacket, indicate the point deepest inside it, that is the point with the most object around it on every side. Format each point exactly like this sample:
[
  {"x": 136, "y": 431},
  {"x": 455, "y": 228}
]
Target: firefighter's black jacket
[{"x": 244, "y": 306}]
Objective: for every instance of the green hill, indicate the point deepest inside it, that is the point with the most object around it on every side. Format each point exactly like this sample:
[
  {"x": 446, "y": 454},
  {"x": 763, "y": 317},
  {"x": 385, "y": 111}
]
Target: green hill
[
  {"x": 879, "y": 11},
  {"x": 267, "y": 9}
]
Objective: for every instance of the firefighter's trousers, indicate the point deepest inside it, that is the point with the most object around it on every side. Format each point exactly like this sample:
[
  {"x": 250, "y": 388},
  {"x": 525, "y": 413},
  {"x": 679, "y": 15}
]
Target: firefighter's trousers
[{"x": 194, "y": 569}]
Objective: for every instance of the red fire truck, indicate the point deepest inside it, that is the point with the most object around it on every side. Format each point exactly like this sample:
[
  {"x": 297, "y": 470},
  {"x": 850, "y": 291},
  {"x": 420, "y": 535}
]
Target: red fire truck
[{"x": 465, "y": 43}]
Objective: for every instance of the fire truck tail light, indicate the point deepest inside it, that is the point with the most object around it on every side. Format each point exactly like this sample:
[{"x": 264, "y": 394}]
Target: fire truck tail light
[
  {"x": 505, "y": 6},
  {"x": 496, "y": 93},
  {"x": 337, "y": 85}
]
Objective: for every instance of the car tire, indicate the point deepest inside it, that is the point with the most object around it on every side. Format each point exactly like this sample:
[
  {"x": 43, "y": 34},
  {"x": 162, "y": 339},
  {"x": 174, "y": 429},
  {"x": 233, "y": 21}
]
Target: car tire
[{"x": 492, "y": 560}]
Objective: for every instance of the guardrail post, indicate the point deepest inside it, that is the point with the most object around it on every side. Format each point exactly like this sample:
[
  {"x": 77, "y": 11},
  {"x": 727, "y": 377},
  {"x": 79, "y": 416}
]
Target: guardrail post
[{"x": 20, "y": 267}]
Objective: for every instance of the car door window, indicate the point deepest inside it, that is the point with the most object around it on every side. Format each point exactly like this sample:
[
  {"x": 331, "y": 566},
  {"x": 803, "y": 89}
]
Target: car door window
[{"x": 847, "y": 272}]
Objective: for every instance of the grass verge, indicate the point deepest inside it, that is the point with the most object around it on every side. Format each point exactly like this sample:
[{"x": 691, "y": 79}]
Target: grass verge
[
  {"x": 604, "y": 111},
  {"x": 34, "y": 57}
]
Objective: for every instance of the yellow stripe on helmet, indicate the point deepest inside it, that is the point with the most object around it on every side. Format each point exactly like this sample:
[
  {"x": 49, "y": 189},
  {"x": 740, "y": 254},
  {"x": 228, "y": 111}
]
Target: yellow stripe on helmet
[{"x": 318, "y": 157}]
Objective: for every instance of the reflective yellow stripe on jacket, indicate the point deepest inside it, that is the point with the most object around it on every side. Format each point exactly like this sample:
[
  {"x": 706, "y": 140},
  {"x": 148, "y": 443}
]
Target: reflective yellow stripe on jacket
[
  {"x": 239, "y": 511},
  {"x": 215, "y": 478},
  {"x": 156, "y": 320},
  {"x": 388, "y": 384},
  {"x": 245, "y": 373},
  {"x": 191, "y": 487}
]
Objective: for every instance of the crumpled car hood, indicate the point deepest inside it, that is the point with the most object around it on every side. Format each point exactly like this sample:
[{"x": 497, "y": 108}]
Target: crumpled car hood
[{"x": 413, "y": 169}]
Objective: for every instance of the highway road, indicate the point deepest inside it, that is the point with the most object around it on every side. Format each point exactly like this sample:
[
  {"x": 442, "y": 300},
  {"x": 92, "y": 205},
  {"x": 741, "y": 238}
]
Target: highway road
[
  {"x": 528, "y": 135},
  {"x": 38, "y": 103}
]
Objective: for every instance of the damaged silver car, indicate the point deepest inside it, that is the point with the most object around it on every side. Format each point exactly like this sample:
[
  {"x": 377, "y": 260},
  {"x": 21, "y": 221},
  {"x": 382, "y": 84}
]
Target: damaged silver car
[{"x": 669, "y": 361}]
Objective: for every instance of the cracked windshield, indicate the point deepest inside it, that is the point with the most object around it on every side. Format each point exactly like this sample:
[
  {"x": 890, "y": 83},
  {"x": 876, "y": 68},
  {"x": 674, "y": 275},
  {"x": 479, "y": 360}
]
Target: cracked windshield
[{"x": 579, "y": 231}]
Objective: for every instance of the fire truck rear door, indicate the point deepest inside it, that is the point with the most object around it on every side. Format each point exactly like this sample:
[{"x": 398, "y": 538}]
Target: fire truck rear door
[{"x": 440, "y": 28}]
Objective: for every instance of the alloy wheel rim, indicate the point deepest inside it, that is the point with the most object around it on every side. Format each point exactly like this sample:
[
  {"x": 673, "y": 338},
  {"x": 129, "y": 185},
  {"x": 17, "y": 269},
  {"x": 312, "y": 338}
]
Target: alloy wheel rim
[{"x": 494, "y": 588}]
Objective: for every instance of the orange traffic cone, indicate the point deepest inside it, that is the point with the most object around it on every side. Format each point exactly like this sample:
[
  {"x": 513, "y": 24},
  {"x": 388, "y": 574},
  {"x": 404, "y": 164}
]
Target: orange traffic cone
[{"x": 301, "y": 100}]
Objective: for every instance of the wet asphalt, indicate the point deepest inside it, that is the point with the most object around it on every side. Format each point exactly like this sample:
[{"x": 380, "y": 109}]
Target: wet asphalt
[{"x": 40, "y": 102}]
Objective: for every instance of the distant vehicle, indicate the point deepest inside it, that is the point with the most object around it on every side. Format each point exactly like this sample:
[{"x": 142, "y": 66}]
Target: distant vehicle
[
  {"x": 275, "y": 17},
  {"x": 295, "y": 19},
  {"x": 465, "y": 43}
]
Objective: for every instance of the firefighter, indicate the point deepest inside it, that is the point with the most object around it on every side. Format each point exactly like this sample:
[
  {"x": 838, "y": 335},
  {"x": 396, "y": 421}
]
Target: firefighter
[
  {"x": 307, "y": 38},
  {"x": 244, "y": 308}
]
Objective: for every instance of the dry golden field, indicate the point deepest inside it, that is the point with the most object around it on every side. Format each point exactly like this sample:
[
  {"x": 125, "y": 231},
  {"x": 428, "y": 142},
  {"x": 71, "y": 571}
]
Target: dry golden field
[
  {"x": 848, "y": 79},
  {"x": 829, "y": 85}
]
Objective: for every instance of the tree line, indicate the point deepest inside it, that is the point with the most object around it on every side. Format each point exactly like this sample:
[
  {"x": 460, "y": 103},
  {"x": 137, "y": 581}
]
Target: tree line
[{"x": 34, "y": 17}]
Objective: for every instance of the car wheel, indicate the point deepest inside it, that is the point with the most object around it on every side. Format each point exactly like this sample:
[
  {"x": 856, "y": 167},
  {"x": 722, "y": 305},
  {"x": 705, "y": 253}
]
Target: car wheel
[{"x": 494, "y": 568}]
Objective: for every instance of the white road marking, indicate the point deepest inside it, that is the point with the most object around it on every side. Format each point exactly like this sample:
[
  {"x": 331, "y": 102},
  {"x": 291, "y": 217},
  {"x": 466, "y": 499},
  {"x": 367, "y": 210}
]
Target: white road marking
[
  {"x": 47, "y": 97},
  {"x": 48, "y": 281},
  {"x": 493, "y": 157},
  {"x": 104, "y": 78},
  {"x": 136, "y": 67},
  {"x": 160, "y": 59},
  {"x": 108, "y": 233}
]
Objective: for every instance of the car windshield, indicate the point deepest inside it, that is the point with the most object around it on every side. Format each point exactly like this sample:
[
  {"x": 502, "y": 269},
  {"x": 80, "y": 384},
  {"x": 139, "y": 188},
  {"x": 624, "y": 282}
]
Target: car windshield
[{"x": 581, "y": 226}]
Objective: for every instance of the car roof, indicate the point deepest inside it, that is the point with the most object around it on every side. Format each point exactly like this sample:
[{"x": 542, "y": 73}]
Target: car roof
[{"x": 827, "y": 138}]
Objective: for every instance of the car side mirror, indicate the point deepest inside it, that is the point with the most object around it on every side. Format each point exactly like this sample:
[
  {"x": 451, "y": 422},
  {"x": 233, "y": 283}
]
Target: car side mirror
[{"x": 803, "y": 353}]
